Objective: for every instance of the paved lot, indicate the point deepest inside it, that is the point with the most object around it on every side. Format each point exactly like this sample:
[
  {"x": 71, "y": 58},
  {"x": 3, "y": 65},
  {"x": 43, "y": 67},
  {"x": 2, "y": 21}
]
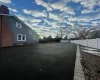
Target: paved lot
[{"x": 55, "y": 61}]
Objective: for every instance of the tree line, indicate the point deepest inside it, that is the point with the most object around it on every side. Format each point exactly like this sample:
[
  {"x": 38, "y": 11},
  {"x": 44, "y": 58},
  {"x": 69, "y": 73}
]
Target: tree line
[
  {"x": 49, "y": 39},
  {"x": 79, "y": 33}
]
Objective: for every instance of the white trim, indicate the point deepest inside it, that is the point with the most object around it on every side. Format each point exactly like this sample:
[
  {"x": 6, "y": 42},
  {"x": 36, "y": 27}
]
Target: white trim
[
  {"x": 19, "y": 25},
  {"x": 24, "y": 36},
  {"x": 21, "y": 37},
  {"x": 17, "y": 37}
]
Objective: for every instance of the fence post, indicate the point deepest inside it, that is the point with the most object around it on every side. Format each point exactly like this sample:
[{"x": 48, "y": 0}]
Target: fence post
[
  {"x": 97, "y": 47},
  {"x": 87, "y": 42}
]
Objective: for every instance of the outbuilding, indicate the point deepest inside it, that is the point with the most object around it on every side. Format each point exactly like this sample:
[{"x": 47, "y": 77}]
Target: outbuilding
[{"x": 14, "y": 31}]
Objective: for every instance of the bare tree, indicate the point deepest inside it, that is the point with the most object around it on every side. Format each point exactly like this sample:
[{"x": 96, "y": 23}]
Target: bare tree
[
  {"x": 63, "y": 31},
  {"x": 95, "y": 33},
  {"x": 67, "y": 32},
  {"x": 83, "y": 32},
  {"x": 60, "y": 32}
]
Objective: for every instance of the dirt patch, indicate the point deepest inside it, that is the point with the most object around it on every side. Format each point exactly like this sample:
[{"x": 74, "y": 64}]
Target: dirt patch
[{"x": 91, "y": 65}]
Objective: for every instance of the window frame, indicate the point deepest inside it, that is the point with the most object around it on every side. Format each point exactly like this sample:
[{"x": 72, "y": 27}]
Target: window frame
[
  {"x": 19, "y": 25},
  {"x": 17, "y": 37},
  {"x": 25, "y": 37},
  {"x": 21, "y": 37},
  {"x": 30, "y": 32}
]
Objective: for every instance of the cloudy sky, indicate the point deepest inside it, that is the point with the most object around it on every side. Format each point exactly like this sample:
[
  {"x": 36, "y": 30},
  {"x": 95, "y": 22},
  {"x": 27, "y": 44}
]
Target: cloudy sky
[{"x": 46, "y": 16}]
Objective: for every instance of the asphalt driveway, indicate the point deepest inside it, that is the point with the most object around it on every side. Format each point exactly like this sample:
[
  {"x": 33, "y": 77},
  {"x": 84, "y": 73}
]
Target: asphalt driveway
[{"x": 51, "y": 61}]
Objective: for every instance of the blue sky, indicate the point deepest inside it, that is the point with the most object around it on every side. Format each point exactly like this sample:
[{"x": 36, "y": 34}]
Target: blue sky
[{"x": 46, "y": 16}]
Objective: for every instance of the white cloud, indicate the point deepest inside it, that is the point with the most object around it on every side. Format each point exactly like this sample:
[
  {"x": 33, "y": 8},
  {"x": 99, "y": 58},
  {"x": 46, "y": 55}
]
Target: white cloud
[
  {"x": 54, "y": 16},
  {"x": 34, "y": 13},
  {"x": 13, "y": 9},
  {"x": 84, "y": 18},
  {"x": 70, "y": 23},
  {"x": 30, "y": 21},
  {"x": 6, "y": 1},
  {"x": 65, "y": 1},
  {"x": 46, "y": 21},
  {"x": 63, "y": 16},
  {"x": 46, "y": 31},
  {"x": 96, "y": 22},
  {"x": 44, "y": 4},
  {"x": 85, "y": 11},
  {"x": 55, "y": 25},
  {"x": 41, "y": 30},
  {"x": 35, "y": 20},
  {"x": 88, "y": 3},
  {"x": 79, "y": 19},
  {"x": 88, "y": 11},
  {"x": 76, "y": 0},
  {"x": 62, "y": 7},
  {"x": 84, "y": 24},
  {"x": 60, "y": 19},
  {"x": 27, "y": 11},
  {"x": 68, "y": 10},
  {"x": 57, "y": 5},
  {"x": 22, "y": 17}
]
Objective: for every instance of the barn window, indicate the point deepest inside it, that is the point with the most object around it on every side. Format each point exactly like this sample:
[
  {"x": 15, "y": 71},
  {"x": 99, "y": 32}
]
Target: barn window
[
  {"x": 19, "y": 37},
  {"x": 23, "y": 37},
  {"x": 30, "y": 32},
  {"x": 19, "y": 25}
]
